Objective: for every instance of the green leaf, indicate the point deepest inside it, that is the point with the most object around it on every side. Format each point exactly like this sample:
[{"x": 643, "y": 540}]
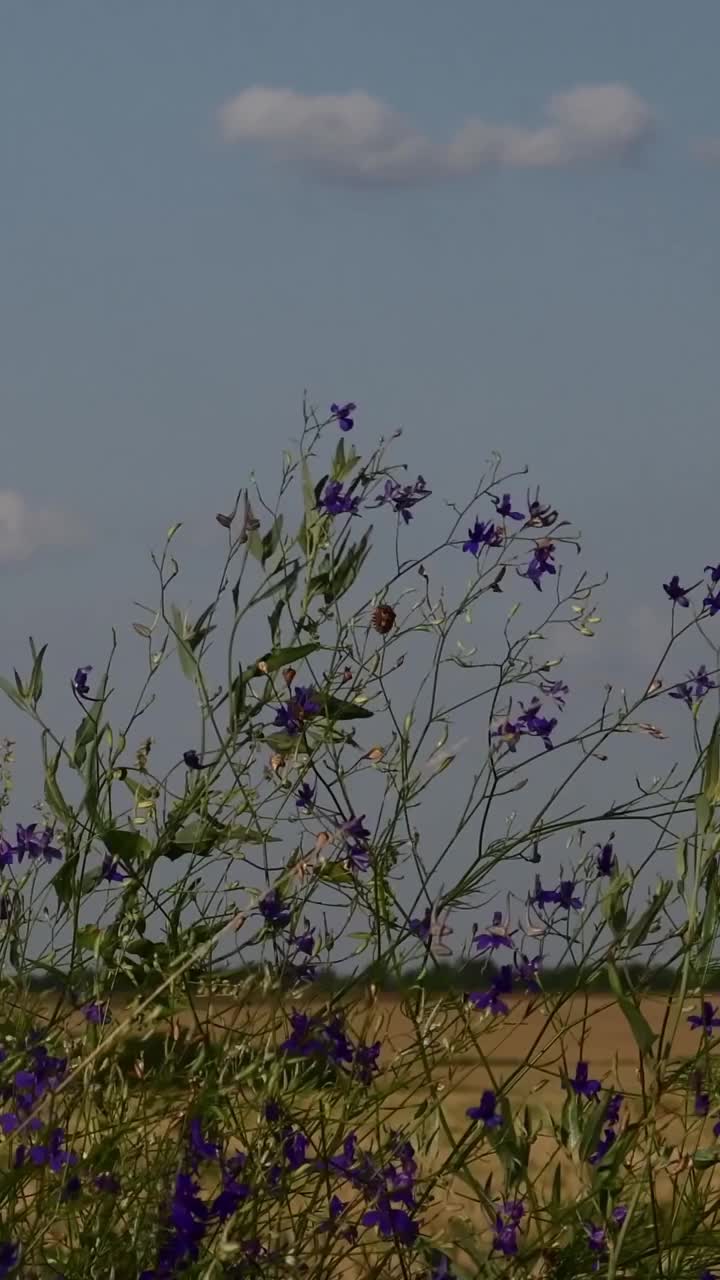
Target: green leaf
[
  {"x": 335, "y": 873},
  {"x": 88, "y": 936},
  {"x": 35, "y": 686},
  {"x": 283, "y": 658},
  {"x": 129, "y": 846},
  {"x": 12, "y": 693},
  {"x": 711, "y": 771},
  {"x": 55, "y": 798},
  {"x": 643, "y": 1034},
  {"x": 87, "y": 732},
  {"x": 184, "y": 653},
  {"x": 640, "y": 930},
  {"x": 271, "y": 540},
  {"x": 286, "y": 585},
  {"x": 337, "y": 709},
  {"x": 197, "y": 838}
]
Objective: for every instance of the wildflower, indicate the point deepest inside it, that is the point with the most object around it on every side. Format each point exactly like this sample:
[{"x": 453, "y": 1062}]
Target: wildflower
[
  {"x": 200, "y": 1147},
  {"x": 483, "y": 534},
  {"x": 536, "y": 725},
  {"x": 336, "y": 1209},
  {"x": 503, "y": 507},
  {"x": 597, "y": 1238},
  {"x": 305, "y": 942},
  {"x": 336, "y": 503},
  {"x": 693, "y": 689},
  {"x": 612, "y": 1110},
  {"x": 501, "y": 986},
  {"x": 603, "y": 1146},
  {"x": 486, "y": 1111},
  {"x": 72, "y": 1188},
  {"x": 110, "y": 870},
  {"x": 358, "y": 857},
  {"x": 706, "y": 1020},
  {"x": 274, "y": 910},
  {"x": 106, "y": 1182},
  {"x": 441, "y": 1269},
  {"x": 563, "y": 896},
  {"x": 712, "y": 602},
  {"x": 96, "y": 1013},
  {"x": 619, "y": 1214},
  {"x": 80, "y": 682},
  {"x": 402, "y": 497},
  {"x": 35, "y": 846},
  {"x": 582, "y": 1085},
  {"x": 305, "y": 797},
  {"x": 292, "y": 716},
  {"x": 295, "y": 1148},
  {"x": 527, "y": 973},
  {"x": 391, "y": 1222},
  {"x": 556, "y": 690},
  {"x": 7, "y": 852},
  {"x": 507, "y": 1225},
  {"x": 702, "y": 1104},
  {"x": 383, "y": 619},
  {"x": 509, "y": 734},
  {"x": 539, "y": 514},
  {"x": 9, "y": 1257},
  {"x": 606, "y": 860},
  {"x": 541, "y": 562},
  {"x": 496, "y": 936},
  {"x": 714, "y": 571},
  {"x": 341, "y": 413},
  {"x": 233, "y": 1193},
  {"x": 192, "y": 760},
  {"x": 272, "y": 1111},
  {"x": 355, "y": 828},
  {"x": 432, "y": 928},
  {"x": 675, "y": 592},
  {"x": 366, "y": 1061}
]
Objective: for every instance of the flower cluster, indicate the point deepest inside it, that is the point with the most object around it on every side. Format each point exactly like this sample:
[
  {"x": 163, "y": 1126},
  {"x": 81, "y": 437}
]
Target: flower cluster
[
  {"x": 693, "y": 689},
  {"x": 293, "y": 715},
  {"x": 31, "y": 843},
  {"x": 680, "y": 595},
  {"x": 507, "y": 1225},
  {"x": 610, "y": 1121},
  {"x": 564, "y": 896},
  {"x": 502, "y": 985},
  {"x": 483, "y": 534},
  {"x": 327, "y": 1041},
  {"x": 528, "y": 724},
  {"x": 402, "y": 497}
]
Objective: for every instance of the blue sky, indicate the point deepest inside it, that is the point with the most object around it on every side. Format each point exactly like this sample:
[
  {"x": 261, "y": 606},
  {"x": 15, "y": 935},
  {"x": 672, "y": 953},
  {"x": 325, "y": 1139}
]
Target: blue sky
[{"x": 168, "y": 292}]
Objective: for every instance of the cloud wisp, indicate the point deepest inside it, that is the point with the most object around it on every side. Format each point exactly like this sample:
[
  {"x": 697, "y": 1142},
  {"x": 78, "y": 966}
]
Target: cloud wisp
[
  {"x": 25, "y": 529},
  {"x": 354, "y": 137}
]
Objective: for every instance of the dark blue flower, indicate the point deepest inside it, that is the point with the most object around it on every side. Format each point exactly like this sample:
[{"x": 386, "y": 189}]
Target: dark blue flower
[
  {"x": 106, "y": 1182},
  {"x": 612, "y": 1110},
  {"x": 706, "y": 1020},
  {"x": 200, "y": 1147},
  {"x": 305, "y": 942},
  {"x": 358, "y": 857},
  {"x": 531, "y": 722},
  {"x": 503, "y": 507},
  {"x": 401, "y": 497},
  {"x": 9, "y": 1257},
  {"x": 366, "y": 1061},
  {"x": 391, "y": 1223},
  {"x": 486, "y": 1111},
  {"x": 619, "y": 1214},
  {"x": 582, "y": 1084},
  {"x": 341, "y": 413},
  {"x": 441, "y": 1268},
  {"x": 675, "y": 592},
  {"x": 606, "y": 860},
  {"x": 80, "y": 682},
  {"x": 35, "y": 845},
  {"x": 712, "y": 602},
  {"x": 603, "y": 1146},
  {"x": 295, "y": 1148},
  {"x": 505, "y": 1237},
  {"x": 355, "y": 828},
  {"x": 496, "y": 936},
  {"x": 556, "y": 690},
  {"x": 110, "y": 870},
  {"x": 492, "y": 999},
  {"x": 483, "y": 534},
  {"x": 597, "y": 1238},
  {"x": 97, "y": 1013},
  {"x": 692, "y": 690},
  {"x": 336, "y": 503},
  {"x": 303, "y": 706},
  {"x": 274, "y": 910},
  {"x": 192, "y": 760},
  {"x": 305, "y": 797},
  {"x": 714, "y": 571},
  {"x": 527, "y": 971},
  {"x": 541, "y": 562},
  {"x": 563, "y": 896}
]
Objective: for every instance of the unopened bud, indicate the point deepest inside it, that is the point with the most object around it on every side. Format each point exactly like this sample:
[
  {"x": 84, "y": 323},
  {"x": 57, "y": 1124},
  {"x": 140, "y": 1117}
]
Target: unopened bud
[
  {"x": 375, "y": 753},
  {"x": 289, "y": 675},
  {"x": 277, "y": 762},
  {"x": 262, "y": 668}
]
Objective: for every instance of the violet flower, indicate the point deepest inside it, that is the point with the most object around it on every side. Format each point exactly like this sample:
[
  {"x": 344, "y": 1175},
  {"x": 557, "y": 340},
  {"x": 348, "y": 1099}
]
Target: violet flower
[
  {"x": 341, "y": 413},
  {"x": 675, "y": 592}
]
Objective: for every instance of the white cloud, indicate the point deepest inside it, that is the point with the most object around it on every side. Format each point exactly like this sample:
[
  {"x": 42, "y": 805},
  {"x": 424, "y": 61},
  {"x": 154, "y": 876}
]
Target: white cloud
[
  {"x": 355, "y": 137},
  {"x": 25, "y": 529},
  {"x": 707, "y": 150}
]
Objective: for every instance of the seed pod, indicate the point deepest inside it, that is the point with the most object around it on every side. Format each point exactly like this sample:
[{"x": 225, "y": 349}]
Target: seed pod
[{"x": 383, "y": 619}]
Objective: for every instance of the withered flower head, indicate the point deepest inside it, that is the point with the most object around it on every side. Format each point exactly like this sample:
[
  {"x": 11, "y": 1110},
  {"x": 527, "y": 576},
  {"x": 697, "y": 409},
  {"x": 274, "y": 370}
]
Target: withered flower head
[{"x": 383, "y": 619}]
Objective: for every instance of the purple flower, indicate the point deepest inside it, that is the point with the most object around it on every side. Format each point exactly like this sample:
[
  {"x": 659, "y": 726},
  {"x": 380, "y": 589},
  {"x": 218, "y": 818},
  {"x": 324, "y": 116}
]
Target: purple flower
[
  {"x": 497, "y": 935},
  {"x": 274, "y": 910},
  {"x": 341, "y": 413},
  {"x": 619, "y": 1214},
  {"x": 706, "y": 1020},
  {"x": 603, "y": 1146},
  {"x": 563, "y": 896},
  {"x": 675, "y": 592},
  {"x": 9, "y": 1257},
  {"x": 606, "y": 860},
  {"x": 582, "y": 1085},
  {"x": 35, "y": 846},
  {"x": 97, "y": 1013},
  {"x": 366, "y": 1061},
  {"x": 111, "y": 870},
  {"x": 192, "y": 760},
  {"x": 401, "y": 497},
  {"x": 441, "y": 1268},
  {"x": 712, "y": 602},
  {"x": 486, "y": 1111},
  {"x": 527, "y": 971},
  {"x": 503, "y": 507},
  {"x": 556, "y": 690},
  {"x": 509, "y": 734},
  {"x": 106, "y": 1182},
  {"x": 714, "y": 571},
  {"x": 336, "y": 503},
  {"x": 355, "y": 828},
  {"x": 200, "y": 1147},
  {"x": 541, "y": 562},
  {"x": 305, "y": 942},
  {"x": 536, "y": 725},
  {"x": 698, "y": 683},
  {"x": 305, "y": 797},
  {"x": 295, "y": 1148},
  {"x": 80, "y": 682},
  {"x": 391, "y": 1223},
  {"x": 501, "y": 986},
  {"x": 482, "y": 534},
  {"x": 303, "y": 706},
  {"x": 358, "y": 857},
  {"x": 597, "y": 1238},
  {"x": 612, "y": 1110},
  {"x": 702, "y": 1104},
  {"x": 505, "y": 1237}
]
